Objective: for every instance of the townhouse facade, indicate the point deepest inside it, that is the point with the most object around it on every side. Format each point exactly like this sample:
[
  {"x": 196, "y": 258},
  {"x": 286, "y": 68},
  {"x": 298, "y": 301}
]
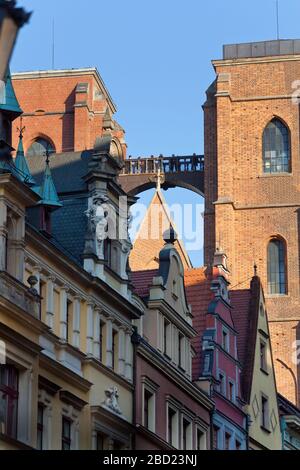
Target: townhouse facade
[
  {"x": 66, "y": 315},
  {"x": 172, "y": 412}
]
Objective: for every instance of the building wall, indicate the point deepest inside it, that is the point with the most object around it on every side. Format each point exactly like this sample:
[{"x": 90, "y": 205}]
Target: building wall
[
  {"x": 168, "y": 391},
  {"x": 67, "y": 107},
  {"x": 244, "y": 207}
]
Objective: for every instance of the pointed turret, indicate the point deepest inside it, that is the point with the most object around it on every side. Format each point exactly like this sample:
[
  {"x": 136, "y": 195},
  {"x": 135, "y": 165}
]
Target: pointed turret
[
  {"x": 9, "y": 102},
  {"x": 48, "y": 191},
  {"x": 21, "y": 162}
]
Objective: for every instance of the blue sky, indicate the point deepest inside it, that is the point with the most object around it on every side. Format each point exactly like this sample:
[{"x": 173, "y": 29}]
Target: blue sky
[{"x": 154, "y": 56}]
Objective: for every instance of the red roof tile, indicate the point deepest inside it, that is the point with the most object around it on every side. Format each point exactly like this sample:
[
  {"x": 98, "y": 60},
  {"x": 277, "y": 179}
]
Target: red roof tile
[
  {"x": 240, "y": 302},
  {"x": 142, "y": 280},
  {"x": 199, "y": 295}
]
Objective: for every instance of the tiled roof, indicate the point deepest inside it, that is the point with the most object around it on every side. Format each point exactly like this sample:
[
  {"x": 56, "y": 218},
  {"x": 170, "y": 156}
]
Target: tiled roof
[
  {"x": 245, "y": 316},
  {"x": 240, "y": 302},
  {"x": 67, "y": 170},
  {"x": 199, "y": 295},
  {"x": 142, "y": 280}
]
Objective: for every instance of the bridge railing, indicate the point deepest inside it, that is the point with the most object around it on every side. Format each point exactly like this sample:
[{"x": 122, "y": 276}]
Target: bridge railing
[{"x": 173, "y": 164}]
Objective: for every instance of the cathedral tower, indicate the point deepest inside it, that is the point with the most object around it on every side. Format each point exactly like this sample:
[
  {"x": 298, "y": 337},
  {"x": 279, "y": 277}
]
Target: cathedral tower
[{"x": 252, "y": 182}]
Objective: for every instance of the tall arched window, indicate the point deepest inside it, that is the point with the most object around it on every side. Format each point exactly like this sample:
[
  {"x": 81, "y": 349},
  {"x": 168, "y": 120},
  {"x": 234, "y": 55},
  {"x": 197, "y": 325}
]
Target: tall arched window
[
  {"x": 277, "y": 278},
  {"x": 39, "y": 147},
  {"x": 276, "y": 148}
]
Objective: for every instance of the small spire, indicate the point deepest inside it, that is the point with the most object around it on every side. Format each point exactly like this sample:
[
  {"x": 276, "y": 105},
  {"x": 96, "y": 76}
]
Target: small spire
[
  {"x": 21, "y": 162},
  {"x": 255, "y": 270},
  {"x": 48, "y": 191},
  {"x": 170, "y": 236}
]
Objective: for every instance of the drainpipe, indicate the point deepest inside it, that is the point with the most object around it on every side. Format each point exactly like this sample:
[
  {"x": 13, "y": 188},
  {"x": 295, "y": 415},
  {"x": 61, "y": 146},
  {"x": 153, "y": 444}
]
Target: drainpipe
[
  {"x": 211, "y": 413},
  {"x": 248, "y": 424},
  {"x": 135, "y": 339}
]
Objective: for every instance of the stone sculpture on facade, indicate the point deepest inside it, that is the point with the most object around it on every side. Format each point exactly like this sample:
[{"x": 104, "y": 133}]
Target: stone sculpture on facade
[{"x": 112, "y": 400}]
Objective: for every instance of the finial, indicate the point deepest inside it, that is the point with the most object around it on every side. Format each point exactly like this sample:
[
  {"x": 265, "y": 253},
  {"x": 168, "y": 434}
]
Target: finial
[
  {"x": 255, "y": 270},
  {"x": 170, "y": 236},
  {"x": 21, "y": 129},
  {"x": 47, "y": 154}
]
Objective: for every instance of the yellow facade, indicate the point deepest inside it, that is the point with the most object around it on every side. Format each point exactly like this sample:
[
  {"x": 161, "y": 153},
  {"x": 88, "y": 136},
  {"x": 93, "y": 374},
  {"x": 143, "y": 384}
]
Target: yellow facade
[{"x": 67, "y": 340}]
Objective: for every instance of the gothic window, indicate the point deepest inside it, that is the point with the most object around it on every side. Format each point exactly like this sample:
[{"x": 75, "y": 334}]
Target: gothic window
[
  {"x": 39, "y": 147},
  {"x": 277, "y": 282},
  {"x": 276, "y": 148}
]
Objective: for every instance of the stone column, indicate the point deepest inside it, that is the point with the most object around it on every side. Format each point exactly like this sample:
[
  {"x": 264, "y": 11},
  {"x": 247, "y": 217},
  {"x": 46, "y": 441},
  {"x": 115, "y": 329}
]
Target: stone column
[
  {"x": 76, "y": 321},
  {"x": 63, "y": 314},
  {"x": 122, "y": 348},
  {"x": 108, "y": 340},
  {"x": 90, "y": 329},
  {"x": 50, "y": 302},
  {"x": 3, "y": 236},
  {"x": 128, "y": 355},
  {"x": 97, "y": 333},
  {"x": 37, "y": 273}
]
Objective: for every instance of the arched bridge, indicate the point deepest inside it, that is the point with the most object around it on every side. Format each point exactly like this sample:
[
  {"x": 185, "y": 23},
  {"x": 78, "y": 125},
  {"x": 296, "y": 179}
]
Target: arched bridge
[{"x": 141, "y": 174}]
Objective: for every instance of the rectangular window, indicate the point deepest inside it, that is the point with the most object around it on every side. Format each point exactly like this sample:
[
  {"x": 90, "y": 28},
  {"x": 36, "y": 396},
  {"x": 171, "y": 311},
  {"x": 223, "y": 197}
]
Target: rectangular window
[
  {"x": 181, "y": 351},
  {"x": 40, "y": 427},
  {"x": 265, "y": 412},
  {"x": 238, "y": 445},
  {"x": 232, "y": 391},
  {"x": 69, "y": 320},
  {"x": 100, "y": 441},
  {"x": 147, "y": 398},
  {"x": 216, "y": 433},
  {"x": 222, "y": 379},
  {"x": 185, "y": 434},
  {"x": 227, "y": 441},
  {"x": 225, "y": 340},
  {"x": 200, "y": 440},
  {"x": 9, "y": 395},
  {"x": 167, "y": 338},
  {"x": 66, "y": 433},
  {"x": 263, "y": 356},
  {"x": 171, "y": 426},
  {"x": 102, "y": 326},
  {"x": 43, "y": 294}
]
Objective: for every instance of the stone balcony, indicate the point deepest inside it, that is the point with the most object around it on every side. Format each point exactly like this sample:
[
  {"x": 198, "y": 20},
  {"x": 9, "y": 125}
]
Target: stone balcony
[{"x": 20, "y": 295}]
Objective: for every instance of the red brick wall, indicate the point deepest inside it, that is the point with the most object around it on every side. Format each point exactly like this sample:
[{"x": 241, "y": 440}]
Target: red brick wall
[
  {"x": 52, "y": 108},
  {"x": 244, "y": 207}
]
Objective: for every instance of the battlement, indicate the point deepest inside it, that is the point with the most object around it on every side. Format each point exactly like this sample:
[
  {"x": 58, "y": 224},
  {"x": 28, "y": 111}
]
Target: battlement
[{"x": 261, "y": 49}]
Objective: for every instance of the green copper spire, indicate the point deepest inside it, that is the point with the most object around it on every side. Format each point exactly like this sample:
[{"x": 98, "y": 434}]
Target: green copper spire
[
  {"x": 21, "y": 162},
  {"x": 48, "y": 191},
  {"x": 10, "y": 103}
]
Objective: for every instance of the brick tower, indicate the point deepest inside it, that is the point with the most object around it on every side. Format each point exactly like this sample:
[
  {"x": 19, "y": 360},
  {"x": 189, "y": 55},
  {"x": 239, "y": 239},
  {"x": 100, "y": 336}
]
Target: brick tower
[
  {"x": 66, "y": 109},
  {"x": 252, "y": 182}
]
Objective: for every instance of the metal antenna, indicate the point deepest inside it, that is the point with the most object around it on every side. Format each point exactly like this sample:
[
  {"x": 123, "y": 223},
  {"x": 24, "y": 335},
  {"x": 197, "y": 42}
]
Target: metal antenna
[
  {"x": 53, "y": 44},
  {"x": 277, "y": 17}
]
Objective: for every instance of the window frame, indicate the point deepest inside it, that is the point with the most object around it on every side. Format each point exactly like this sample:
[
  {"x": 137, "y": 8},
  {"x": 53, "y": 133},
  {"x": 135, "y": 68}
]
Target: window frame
[
  {"x": 282, "y": 131},
  {"x": 265, "y": 412},
  {"x": 282, "y": 263},
  {"x": 12, "y": 400},
  {"x": 66, "y": 439},
  {"x": 41, "y": 427}
]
